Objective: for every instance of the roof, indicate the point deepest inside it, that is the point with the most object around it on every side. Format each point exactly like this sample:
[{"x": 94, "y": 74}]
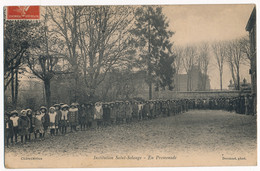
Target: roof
[{"x": 251, "y": 21}]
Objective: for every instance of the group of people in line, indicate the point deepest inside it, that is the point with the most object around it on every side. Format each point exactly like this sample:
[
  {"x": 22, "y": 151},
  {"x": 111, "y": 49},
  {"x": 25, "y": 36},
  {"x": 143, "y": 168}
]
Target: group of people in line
[{"x": 59, "y": 117}]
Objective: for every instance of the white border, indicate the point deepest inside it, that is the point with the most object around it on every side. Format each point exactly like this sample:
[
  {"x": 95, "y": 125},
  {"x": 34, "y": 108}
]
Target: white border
[{"x": 119, "y": 2}]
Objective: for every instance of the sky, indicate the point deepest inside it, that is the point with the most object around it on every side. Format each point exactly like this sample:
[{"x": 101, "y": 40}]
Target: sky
[{"x": 194, "y": 24}]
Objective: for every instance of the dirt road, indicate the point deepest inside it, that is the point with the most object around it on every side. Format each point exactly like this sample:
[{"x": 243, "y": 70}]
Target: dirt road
[{"x": 201, "y": 133}]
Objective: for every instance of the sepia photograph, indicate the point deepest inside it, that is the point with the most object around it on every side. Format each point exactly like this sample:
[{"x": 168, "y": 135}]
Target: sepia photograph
[{"x": 108, "y": 86}]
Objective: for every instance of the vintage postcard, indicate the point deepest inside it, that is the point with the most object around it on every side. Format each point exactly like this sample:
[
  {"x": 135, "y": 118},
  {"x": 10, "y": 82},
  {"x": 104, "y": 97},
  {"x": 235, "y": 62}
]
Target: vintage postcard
[{"x": 130, "y": 86}]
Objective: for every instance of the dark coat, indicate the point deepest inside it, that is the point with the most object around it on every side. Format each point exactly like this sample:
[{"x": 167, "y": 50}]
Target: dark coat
[
  {"x": 73, "y": 117},
  {"x": 46, "y": 122},
  {"x": 23, "y": 125},
  {"x": 8, "y": 128}
]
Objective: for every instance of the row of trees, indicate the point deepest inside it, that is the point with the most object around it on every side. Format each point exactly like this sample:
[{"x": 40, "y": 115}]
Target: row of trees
[
  {"x": 86, "y": 43},
  {"x": 189, "y": 57},
  {"x": 233, "y": 53}
]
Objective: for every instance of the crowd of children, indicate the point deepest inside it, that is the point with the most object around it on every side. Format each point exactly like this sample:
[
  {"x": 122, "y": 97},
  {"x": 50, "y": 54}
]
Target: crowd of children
[{"x": 59, "y": 117}]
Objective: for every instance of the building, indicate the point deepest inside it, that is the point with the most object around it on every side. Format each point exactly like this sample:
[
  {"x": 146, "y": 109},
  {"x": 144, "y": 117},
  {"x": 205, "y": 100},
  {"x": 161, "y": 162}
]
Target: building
[
  {"x": 194, "y": 81},
  {"x": 251, "y": 28}
]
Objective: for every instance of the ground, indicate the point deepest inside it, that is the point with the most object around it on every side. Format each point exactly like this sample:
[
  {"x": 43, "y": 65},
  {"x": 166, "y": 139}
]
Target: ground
[{"x": 213, "y": 137}]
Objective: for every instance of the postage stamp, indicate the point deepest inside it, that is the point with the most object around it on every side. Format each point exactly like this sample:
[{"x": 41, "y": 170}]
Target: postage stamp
[{"x": 23, "y": 12}]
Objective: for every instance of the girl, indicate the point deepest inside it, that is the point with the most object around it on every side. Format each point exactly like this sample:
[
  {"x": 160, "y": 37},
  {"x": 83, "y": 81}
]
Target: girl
[
  {"x": 43, "y": 111},
  {"x": 98, "y": 114},
  {"x": 90, "y": 115},
  {"x": 58, "y": 116},
  {"x": 8, "y": 128},
  {"x": 53, "y": 120},
  {"x": 30, "y": 116},
  {"x": 38, "y": 124},
  {"x": 64, "y": 118},
  {"x": 82, "y": 117},
  {"x": 14, "y": 118},
  {"x": 73, "y": 116},
  {"x": 23, "y": 125}
]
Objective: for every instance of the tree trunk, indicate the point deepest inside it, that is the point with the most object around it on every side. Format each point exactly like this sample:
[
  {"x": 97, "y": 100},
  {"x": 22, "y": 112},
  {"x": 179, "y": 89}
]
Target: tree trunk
[
  {"x": 47, "y": 85},
  {"x": 220, "y": 79},
  {"x": 12, "y": 84},
  {"x": 238, "y": 79},
  {"x": 188, "y": 81},
  {"x": 149, "y": 59},
  {"x": 16, "y": 88}
]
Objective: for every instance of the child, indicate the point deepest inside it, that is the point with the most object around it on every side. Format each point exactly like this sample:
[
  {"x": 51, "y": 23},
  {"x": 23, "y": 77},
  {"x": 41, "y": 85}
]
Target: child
[
  {"x": 30, "y": 116},
  {"x": 14, "y": 118},
  {"x": 43, "y": 111},
  {"x": 38, "y": 124},
  {"x": 64, "y": 118},
  {"x": 8, "y": 129},
  {"x": 98, "y": 114},
  {"x": 53, "y": 120},
  {"x": 23, "y": 125},
  {"x": 58, "y": 116},
  {"x": 83, "y": 117},
  {"x": 89, "y": 115},
  {"x": 73, "y": 116}
]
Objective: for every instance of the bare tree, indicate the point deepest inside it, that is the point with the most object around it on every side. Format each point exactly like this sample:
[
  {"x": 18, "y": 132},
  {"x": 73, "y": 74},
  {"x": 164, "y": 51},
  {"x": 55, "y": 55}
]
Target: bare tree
[
  {"x": 65, "y": 23},
  {"x": 95, "y": 39},
  {"x": 245, "y": 47},
  {"x": 203, "y": 63},
  {"x": 103, "y": 41},
  {"x": 16, "y": 42},
  {"x": 188, "y": 61},
  {"x": 40, "y": 60},
  {"x": 234, "y": 57},
  {"x": 219, "y": 50}
]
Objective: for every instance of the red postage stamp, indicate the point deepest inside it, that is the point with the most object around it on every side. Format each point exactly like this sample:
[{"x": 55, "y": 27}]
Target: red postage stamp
[{"x": 23, "y": 12}]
